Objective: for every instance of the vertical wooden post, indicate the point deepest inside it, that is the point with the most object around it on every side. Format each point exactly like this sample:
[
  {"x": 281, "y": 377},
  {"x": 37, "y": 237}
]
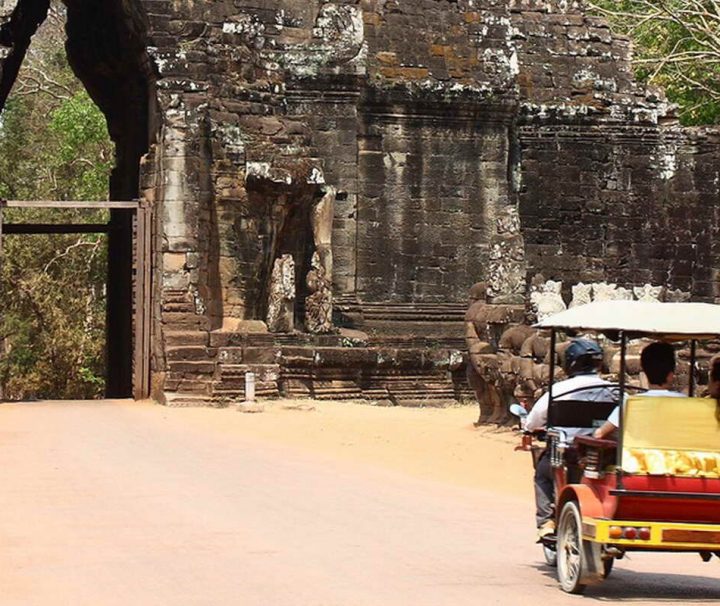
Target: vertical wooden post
[
  {"x": 142, "y": 300},
  {"x": 145, "y": 211}
]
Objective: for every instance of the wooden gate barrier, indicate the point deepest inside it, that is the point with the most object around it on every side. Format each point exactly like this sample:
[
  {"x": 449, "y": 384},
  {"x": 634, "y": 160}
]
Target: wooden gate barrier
[{"x": 141, "y": 270}]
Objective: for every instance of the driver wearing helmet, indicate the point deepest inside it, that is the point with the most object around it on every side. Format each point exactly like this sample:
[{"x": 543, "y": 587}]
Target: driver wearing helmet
[{"x": 582, "y": 363}]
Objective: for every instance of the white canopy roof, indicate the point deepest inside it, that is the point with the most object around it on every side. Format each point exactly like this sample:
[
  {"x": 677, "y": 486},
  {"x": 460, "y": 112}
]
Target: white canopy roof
[{"x": 677, "y": 321}]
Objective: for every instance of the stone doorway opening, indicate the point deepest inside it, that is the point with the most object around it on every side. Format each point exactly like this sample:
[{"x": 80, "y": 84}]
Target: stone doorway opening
[{"x": 105, "y": 45}]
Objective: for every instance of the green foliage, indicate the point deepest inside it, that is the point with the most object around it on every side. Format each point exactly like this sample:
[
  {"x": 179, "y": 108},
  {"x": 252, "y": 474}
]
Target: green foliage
[
  {"x": 53, "y": 317},
  {"x": 66, "y": 156},
  {"x": 676, "y": 47},
  {"x": 54, "y": 145}
]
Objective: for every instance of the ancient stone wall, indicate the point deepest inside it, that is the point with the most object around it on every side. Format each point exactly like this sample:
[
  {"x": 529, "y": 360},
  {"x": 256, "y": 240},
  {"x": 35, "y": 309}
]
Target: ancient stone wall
[
  {"x": 630, "y": 205},
  {"x": 414, "y": 203},
  {"x": 573, "y": 67},
  {"x": 460, "y": 141}
]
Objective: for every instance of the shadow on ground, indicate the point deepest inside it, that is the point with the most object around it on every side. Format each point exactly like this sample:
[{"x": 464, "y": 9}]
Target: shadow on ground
[{"x": 632, "y": 586}]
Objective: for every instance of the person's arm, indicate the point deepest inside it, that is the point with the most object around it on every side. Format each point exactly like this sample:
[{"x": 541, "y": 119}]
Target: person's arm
[
  {"x": 537, "y": 419},
  {"x": 609, "y": 426},
  {"x": 604, "y": 430}
]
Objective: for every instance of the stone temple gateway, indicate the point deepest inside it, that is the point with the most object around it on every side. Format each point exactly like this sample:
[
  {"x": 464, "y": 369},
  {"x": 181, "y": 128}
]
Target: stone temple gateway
[{"x": 341, "y": 172}]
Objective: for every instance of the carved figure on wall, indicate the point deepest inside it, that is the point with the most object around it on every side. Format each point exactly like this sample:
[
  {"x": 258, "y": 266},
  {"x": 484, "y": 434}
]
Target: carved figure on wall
[
  {"x": 546, "y": 299},
  {"x": 507, "y": 269},
  {"x": 582, "y": 294},
  {"x": 485, "y": 366},
  {"x": 602, "y": 291},
  {"x": 281, "y": 301},
  {"x": 648, "y": 292},
  {"x": 318, "y": 305},
  {"x": 338, "y": 38}
]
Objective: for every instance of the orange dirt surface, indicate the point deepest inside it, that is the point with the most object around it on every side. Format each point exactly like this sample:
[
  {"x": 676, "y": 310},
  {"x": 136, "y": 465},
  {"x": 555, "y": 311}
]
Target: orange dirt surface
[
  {"x": 305, "y": 504},
  {"x": 439, "y": 444}
]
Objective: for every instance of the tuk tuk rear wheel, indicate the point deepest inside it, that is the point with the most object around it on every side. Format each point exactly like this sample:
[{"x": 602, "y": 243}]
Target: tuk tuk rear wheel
[{"x": 570, "y": 552}]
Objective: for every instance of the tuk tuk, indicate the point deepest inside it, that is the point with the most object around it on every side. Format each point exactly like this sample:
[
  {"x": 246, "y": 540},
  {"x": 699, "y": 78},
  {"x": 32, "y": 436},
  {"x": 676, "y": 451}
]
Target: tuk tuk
[{"x": 657, "y": 487}]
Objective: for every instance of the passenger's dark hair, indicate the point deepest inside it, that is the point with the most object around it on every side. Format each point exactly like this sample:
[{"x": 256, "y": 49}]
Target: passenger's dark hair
[
  {"x": 658, "y": 361},
  {"x": 715, "y": 379},
  {"x": 715, "y": 369}
]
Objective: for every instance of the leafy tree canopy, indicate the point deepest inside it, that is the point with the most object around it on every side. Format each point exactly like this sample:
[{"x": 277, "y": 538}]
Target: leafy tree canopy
[
  {"x": 677, "y": 47},
  {"x": 54, "y": 145}
]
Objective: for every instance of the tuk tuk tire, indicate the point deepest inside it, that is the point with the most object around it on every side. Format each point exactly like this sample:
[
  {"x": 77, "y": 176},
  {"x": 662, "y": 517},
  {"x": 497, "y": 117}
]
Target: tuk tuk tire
[{"x": 579, "y": 561}]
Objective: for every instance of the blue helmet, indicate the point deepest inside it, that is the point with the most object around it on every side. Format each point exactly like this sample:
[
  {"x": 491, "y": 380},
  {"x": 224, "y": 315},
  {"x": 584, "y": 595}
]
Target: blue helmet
[{"x": 582, "y": 356}]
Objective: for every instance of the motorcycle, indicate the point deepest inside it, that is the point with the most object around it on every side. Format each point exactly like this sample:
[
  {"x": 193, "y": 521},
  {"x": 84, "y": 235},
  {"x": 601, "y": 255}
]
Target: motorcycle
[{"x": 534, "y": 444}]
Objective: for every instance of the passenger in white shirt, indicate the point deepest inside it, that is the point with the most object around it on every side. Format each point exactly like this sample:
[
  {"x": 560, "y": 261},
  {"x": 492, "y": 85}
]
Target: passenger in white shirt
[
  {"x": 583, "y": 359},
  {"x": 658, "y": 363}
]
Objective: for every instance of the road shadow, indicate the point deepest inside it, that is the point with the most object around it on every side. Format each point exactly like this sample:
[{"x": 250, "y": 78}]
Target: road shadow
[{"x": 631, "y": 586}]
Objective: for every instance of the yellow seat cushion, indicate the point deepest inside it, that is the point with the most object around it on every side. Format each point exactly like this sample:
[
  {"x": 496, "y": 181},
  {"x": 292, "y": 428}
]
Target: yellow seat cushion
[{"x": 671, "y": 436}]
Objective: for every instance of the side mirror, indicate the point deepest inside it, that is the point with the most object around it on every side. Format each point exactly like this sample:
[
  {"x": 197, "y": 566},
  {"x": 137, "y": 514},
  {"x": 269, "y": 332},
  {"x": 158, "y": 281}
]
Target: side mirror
[{"x": 517, "y": 410}]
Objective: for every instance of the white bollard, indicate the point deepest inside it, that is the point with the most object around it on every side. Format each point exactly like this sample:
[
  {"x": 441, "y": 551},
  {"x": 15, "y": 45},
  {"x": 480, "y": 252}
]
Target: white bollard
[
  {"x": 249, "y": 386},
  {"x": 249, "y": 404}
]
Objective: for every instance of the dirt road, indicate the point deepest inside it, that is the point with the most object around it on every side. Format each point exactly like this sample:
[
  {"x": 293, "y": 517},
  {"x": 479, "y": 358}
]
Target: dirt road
[{"x": 134, "y": 504}]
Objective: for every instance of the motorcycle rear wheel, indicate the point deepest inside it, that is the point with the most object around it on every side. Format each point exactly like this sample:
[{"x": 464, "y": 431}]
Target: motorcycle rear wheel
[{"x": 571, "y": 555}]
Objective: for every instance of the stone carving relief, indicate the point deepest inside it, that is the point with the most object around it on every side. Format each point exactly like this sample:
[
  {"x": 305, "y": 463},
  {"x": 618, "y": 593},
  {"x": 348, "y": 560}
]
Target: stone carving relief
[
  {"x": 6, "y": 10},
  {"x": 506, "y": 275},
  {"x": 546, "y": 299},
  {"x": 582, "y": 294},
  {"x": 602, "y": 291},
  {"x": 338, "y": 38},
  {"x": 648, "y": 292},
  {"x": 517, "y": 364},
  {"x": 318, "y": 305},
  {"x": 281, "y": 301},
  {"x": 483, "y": 322}
]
